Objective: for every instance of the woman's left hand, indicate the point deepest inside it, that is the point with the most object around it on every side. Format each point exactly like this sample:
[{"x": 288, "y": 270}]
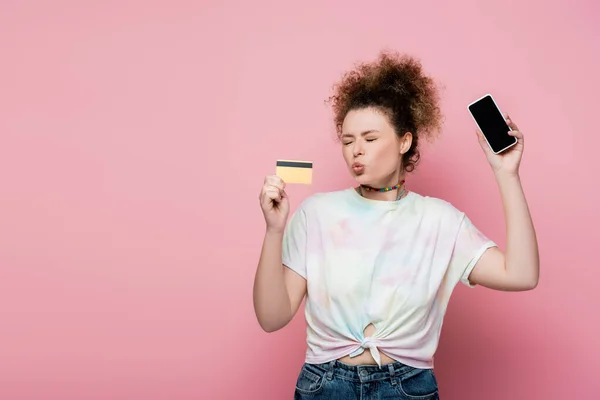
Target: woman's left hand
[{"x": 508, "y": 161}]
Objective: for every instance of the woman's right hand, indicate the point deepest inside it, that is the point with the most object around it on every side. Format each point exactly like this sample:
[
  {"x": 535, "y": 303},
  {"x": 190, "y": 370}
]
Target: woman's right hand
[{"x": 274, "y": 203}]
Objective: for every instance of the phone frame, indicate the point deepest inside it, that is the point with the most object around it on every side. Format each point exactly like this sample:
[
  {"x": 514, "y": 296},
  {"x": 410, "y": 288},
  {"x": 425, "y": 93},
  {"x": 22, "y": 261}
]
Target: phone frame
[{"x": 486, "y": 140}]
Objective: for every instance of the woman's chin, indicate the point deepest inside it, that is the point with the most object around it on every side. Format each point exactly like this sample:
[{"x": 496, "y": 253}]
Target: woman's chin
[{"x": 361, "y": 180}]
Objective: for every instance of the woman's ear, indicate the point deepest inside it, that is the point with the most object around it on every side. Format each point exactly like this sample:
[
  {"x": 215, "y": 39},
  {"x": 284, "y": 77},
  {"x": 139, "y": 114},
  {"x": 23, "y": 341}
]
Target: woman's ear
[{"x": 405, "y": 142}]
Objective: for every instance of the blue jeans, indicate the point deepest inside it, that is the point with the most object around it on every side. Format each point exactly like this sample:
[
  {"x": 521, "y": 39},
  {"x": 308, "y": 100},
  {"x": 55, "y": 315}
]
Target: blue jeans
[{"x": 340, "y": 381}]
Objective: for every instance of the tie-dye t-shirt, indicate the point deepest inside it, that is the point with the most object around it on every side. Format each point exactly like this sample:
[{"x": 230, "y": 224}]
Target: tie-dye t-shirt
[{"x": 393, "y": 264}]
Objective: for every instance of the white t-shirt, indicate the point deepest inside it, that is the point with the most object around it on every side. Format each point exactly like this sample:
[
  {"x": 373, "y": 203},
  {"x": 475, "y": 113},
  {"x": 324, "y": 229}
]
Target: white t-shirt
[{"x": 390, "y": 263}]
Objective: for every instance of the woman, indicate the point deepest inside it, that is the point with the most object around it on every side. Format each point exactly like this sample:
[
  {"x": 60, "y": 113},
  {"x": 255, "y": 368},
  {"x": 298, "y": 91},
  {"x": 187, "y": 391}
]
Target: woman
[{"x": 378, "y": 262}]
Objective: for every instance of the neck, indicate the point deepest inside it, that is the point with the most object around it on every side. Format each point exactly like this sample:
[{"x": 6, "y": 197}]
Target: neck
[{"x": 389, "y": 192}]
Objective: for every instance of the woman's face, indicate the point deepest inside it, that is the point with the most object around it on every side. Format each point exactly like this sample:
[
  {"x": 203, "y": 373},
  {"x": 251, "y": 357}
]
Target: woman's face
[{"x": 371, "y": 148}]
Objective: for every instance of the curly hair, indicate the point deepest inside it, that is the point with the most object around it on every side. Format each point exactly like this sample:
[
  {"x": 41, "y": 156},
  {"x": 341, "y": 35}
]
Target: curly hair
[{"x": 396, "y": 85}]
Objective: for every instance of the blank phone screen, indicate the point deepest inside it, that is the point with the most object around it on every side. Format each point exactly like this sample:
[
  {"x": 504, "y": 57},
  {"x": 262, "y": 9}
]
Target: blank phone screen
[{"x": 492, "y": 123}]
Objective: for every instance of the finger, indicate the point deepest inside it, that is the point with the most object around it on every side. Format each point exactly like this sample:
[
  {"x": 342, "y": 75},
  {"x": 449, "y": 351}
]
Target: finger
[
  {"x": 276, "y": 181},
  {"x": 272, "y": 195},
  {"x": 517, "y": 134},
  {"x": 511, "y": 123},
  {"x": 278, "y": 188},
  {"x": 272, "y": 179},
  {"x": 273, "y": 189}
]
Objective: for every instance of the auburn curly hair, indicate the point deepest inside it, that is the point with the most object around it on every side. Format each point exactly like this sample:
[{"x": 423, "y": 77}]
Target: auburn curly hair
[{"x": 396, "y": 85}]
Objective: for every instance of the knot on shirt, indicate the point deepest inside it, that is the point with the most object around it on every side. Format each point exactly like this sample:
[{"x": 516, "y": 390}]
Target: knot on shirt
[{"x": 368, "y": 343}]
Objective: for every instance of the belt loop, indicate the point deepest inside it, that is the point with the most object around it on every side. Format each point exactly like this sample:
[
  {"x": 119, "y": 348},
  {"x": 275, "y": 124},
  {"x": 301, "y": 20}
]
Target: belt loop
[
  {"x": 392, "y": 377},
  {"x": 330, "y": 370}
]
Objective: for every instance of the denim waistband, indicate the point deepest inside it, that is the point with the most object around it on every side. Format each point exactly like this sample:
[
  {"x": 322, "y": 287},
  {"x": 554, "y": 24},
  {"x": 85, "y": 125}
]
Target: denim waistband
[{"x": 364, "y": 373}]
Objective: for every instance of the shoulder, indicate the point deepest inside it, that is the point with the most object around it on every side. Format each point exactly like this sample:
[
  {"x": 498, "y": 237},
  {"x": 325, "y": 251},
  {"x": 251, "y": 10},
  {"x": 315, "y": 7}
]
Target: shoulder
[
  {"x": 316, "y": 207},
  {"x": 435, "y": 207},
  {"x": 321, "y": 201}
]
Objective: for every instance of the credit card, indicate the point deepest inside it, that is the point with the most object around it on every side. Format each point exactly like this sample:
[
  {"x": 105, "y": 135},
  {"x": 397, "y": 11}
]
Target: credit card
[{"x": 293, "y": 171}]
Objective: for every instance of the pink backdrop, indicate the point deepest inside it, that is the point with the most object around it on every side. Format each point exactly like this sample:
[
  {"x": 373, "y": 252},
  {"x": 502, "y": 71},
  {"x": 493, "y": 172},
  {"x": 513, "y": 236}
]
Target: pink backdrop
[{"x": 134, "y": 141}]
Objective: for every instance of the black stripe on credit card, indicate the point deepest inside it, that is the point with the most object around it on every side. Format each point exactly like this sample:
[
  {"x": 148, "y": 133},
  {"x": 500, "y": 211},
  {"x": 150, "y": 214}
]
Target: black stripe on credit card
[{"x": 294, "y": 164}]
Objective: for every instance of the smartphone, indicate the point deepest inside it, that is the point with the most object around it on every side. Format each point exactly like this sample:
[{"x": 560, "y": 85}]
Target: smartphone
[{"x": 491, "y": 123}]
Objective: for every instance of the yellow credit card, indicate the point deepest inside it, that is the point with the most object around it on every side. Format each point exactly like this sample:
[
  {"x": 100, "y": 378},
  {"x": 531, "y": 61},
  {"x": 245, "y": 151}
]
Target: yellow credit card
[{"x": 292, "y": 171}]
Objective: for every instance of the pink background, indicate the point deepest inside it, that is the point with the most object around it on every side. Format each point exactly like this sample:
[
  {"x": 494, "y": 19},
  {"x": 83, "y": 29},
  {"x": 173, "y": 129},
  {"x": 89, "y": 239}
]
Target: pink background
[{"x": 134, "y": 140}]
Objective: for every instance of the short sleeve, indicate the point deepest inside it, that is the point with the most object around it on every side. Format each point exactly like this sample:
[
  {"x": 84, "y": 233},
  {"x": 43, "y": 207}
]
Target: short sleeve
[
  {"x": 469, "y": 247},
  {"x": 293, "y": 249}
]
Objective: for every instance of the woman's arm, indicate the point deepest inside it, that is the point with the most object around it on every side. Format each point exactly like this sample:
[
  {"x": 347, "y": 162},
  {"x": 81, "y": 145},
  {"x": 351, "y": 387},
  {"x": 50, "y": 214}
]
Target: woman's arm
[
  {"x": 518, "y": 268},
  {"x": 278, "y": 291}
]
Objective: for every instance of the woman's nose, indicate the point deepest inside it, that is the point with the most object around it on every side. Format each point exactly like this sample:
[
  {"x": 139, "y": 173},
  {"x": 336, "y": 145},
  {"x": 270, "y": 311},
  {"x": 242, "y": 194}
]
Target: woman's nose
[{"x": 358, "y": 149}]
